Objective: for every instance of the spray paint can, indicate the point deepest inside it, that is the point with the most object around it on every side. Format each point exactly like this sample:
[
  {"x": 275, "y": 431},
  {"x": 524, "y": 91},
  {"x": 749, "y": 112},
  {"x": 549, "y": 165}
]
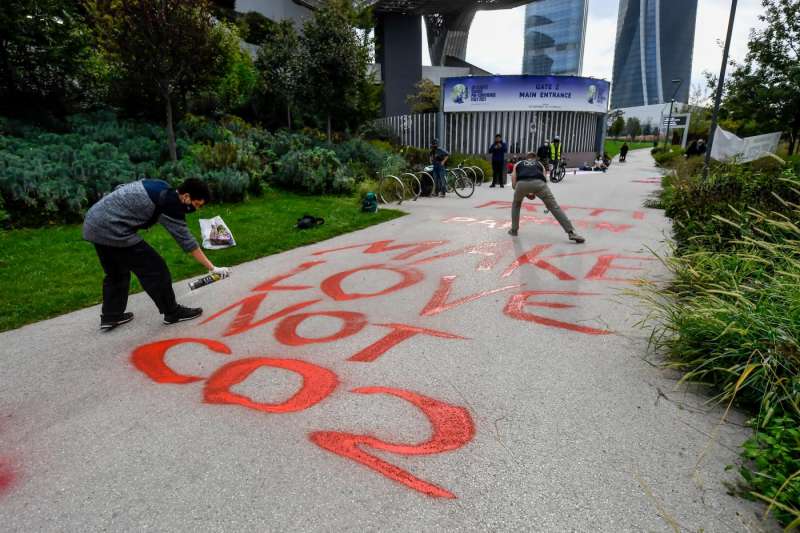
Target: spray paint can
[{"x": 205, "y": 280}]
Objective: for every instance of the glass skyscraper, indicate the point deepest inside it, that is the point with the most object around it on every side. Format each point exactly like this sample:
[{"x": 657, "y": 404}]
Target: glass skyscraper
[
  {"x": 554, "y": 35},
  {"x": 655, "y": 39}
]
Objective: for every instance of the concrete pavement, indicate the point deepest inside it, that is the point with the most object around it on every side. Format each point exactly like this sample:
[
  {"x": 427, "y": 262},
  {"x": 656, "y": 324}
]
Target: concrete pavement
[{"x": 427, "y": 374}]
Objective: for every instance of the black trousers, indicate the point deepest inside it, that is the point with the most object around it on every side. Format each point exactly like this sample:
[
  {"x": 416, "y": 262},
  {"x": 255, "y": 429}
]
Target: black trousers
[
  {"x": 149, "y": 267},
  {"x": 498, "y": 173}
]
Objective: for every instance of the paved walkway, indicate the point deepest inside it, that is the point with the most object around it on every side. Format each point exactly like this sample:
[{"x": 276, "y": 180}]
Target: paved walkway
[{"x": 428, "y": 374}]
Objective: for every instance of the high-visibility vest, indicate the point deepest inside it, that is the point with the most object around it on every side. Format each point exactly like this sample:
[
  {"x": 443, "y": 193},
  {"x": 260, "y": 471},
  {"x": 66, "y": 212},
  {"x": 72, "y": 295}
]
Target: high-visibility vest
[{"x": 555, "y": 150}]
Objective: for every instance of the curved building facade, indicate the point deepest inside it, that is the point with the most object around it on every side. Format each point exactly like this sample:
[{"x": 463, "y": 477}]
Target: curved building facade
[
  {"x": 555, "y": 31},
  {"x": 655, "y": 40}
]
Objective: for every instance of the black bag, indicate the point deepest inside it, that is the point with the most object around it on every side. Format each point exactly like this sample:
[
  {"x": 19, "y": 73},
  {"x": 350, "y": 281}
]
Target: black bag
[{"x": 307, "y": 222}]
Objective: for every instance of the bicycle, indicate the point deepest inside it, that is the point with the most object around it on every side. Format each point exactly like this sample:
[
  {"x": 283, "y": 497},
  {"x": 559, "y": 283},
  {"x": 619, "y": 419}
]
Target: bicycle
[
  {"x": 559, "y": 170},
  {"x": 471, "y": 174},
  {"x": 459, "y": 183}
]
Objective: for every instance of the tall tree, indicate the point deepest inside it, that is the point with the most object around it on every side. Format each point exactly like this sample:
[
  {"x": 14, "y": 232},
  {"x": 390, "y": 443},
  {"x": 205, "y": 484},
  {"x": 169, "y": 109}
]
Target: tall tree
[
  {"x": 426, "y": 100},
  {"x": 617, "y": 127},
  {"x": 44, "y": 45},
  {"x": 765, "y": 89},
  {"x": 279, "y": 64},
  {"x": 334, "y": 59},
  {"x": 169, "y": 45},
  {"x": 633, "y": 127}
]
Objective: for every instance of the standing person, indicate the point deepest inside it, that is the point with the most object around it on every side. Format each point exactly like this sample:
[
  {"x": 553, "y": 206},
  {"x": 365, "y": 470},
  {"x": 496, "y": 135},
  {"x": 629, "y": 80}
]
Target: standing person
[
  {"x": 498, "y": 149},
  {"x": 439, "y": 157},
  {"x": 623, "y": 152},
  {"x": 555, "y": 155},
  {"x": 112, "y": 225},
  {"x": 543, "y": 153},
  {"x": 529, "y": 181}
]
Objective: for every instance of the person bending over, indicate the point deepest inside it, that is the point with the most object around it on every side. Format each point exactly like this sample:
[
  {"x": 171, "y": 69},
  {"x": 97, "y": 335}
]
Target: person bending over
[
  {"x": 528, "y": 181},
  {"x": 112, "y": 225}
]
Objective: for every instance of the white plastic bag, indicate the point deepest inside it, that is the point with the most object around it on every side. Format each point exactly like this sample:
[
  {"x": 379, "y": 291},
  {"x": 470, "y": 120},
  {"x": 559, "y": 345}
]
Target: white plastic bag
[{"x": 216, "y": 234}]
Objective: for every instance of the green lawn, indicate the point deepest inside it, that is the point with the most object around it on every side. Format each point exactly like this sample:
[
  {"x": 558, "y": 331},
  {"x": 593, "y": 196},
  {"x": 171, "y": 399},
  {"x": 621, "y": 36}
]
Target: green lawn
[
  {"x": 46, "y": 272},
  {"x": 612, "y": 146}
]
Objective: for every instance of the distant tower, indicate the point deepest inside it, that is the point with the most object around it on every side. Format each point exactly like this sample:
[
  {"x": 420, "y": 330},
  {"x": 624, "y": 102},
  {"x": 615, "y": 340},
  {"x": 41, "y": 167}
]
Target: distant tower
[
  {"x": 554, "y": 34},
  {"x": 655, "y": 39}
]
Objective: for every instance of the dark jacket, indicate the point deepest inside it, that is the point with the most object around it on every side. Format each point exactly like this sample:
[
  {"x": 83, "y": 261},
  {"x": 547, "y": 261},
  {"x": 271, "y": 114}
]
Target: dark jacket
[
  {"x": 498, "y": 152},
  {"x": 543, "y": 152}
]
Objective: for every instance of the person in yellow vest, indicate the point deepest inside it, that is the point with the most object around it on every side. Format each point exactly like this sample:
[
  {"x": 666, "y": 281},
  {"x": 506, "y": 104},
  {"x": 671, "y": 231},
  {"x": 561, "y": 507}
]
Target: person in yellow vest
[{"x": 555, "y": 155}]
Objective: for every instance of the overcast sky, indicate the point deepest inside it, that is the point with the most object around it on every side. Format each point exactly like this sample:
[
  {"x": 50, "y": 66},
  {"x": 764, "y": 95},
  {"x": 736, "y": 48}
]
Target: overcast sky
[{"x": 496, "y": 39}]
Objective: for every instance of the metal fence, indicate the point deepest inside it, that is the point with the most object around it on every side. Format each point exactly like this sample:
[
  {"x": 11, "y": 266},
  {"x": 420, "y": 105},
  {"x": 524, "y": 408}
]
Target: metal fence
[{"x": 472, "y": 133}]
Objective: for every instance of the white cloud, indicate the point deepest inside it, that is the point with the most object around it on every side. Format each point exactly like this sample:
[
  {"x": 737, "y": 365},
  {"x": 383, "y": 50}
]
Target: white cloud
[{"x": 497, "y": 38}]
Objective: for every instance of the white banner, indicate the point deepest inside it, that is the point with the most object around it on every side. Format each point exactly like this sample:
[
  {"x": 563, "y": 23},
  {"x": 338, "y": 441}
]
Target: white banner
[{"x": 728, "y": 146}]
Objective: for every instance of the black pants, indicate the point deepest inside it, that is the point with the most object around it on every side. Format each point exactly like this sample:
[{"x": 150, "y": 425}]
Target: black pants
[
  {"x": 149, "y": 267},
  {"x": 498, "y": 173}
]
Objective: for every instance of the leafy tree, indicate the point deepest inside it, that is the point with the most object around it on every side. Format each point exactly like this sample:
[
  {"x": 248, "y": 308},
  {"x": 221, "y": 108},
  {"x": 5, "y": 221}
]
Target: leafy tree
[
  {"x": 647, "y": 129},
  {"x": 169, "y": 45},
  {"x": 764, "y": 91},
  {"x": 334, "y": 60},
  {"x": 633, "y": 127},
  {"x": 617, "y": 127},
  {"x": 255, "y": 28},
  {"x": 279, "y": 65},
  {"x": 239, "y": 79},
  {"x": 426, "y": 100},
  {"x": 44, "y": 49}
]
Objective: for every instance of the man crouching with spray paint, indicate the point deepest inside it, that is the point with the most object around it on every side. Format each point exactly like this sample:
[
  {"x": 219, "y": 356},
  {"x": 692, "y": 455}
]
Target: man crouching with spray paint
[
  {"x": 528, "y": 181},
  {"x": 112, "y": 225}
]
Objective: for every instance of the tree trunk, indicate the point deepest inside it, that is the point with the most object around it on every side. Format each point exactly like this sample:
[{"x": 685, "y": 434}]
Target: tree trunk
[
  {"x": 289, "y": 116},
  {"x": 793, "y": 140},
  {"x": 330, "y": 133},
  {"x": 173, "y": 151}
]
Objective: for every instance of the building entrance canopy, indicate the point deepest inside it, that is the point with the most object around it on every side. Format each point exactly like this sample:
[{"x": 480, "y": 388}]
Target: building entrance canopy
[{"x": 430, "y": 7}]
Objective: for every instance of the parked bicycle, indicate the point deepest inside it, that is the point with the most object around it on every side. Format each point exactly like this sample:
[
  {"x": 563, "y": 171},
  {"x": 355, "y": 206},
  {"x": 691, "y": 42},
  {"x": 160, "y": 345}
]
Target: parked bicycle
[{"x": 559, "y": 170}]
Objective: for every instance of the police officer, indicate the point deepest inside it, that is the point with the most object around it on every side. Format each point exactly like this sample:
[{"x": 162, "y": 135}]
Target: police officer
[
  {"x": 555, "y": 155},
  {"x": 528, "y": 181}
]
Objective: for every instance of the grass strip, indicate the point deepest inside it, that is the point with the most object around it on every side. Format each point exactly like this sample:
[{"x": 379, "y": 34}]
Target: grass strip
[{"x": 45, "y": 272}]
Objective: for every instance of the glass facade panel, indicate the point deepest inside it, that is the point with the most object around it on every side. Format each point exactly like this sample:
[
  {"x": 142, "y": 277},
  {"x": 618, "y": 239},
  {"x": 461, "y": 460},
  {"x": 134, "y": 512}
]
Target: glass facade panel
[
  {"x": 654, "y": 45},
  {"x": 554, "y": 36}
]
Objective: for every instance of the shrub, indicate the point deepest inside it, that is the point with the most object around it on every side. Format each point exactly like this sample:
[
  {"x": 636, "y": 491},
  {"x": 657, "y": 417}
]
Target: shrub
[
  {"x": 773, "y": 472},
  {"x": 365, "y": 187},
  {"x": 367, "y": 158},
  {"x": 227, "y": 185},
  {"x": 668, "y": 157},
  {"x": 455, "y": 159},
  {"x": 416, "y": 157},
  {"x": 313, "y": 171}
]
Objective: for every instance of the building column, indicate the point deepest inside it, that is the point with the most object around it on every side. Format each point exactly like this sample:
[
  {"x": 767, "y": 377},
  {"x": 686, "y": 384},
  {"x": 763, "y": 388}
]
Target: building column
[{"x": 398, "y": 49}]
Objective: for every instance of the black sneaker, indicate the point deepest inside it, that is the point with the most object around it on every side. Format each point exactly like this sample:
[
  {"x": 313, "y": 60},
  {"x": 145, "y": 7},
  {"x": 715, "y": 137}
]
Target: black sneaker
[
  {"x": 108, "y": 323},
  {"x": 182, "y": 314},
  {"x": 575, "y": 237},
  {"x": 512, "y": 232}
]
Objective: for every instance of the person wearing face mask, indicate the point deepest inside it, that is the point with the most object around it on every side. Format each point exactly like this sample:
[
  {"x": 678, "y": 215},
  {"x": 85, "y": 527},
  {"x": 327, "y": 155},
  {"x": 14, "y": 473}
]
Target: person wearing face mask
[{"x": 112, "y": 225}]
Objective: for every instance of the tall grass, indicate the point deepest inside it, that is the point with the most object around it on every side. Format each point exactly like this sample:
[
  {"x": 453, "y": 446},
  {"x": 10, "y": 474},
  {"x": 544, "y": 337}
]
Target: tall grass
[{"x": 731, "y": 317}]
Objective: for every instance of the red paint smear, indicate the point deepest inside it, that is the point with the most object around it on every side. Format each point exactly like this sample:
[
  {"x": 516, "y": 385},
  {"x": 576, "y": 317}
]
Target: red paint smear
[
  {"x": 243, "y": 321},
  {"x": 333, "y": 285},
  {"x": 7, "y": 477},
  {"x": 605, "y": 263},
  {"x": 272, "y": 283},
  {"x": 593, "y": 211},
  {"x": 439, "y": 304},
  {"x": 286, "y": 332},
  {"x": 378, "y": 247},
  {"x": 532, "y": 258},
  {"x": 516, "y": 305},
  {"x": 149, "y": 359},
  {"x": 318, "y": 384},
  {"x": 399, "y": 333},
  {"x": 491, "y": 252},
  {"x": 452, "y": 428},
  {"x": 613, "y": 228}
]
